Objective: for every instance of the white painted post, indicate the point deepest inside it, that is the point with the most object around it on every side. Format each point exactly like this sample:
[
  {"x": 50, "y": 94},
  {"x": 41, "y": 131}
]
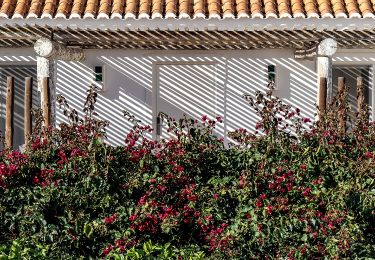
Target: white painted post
[
  {"x": 48, "y": 51},
  {"x": 325, "y": 50}
]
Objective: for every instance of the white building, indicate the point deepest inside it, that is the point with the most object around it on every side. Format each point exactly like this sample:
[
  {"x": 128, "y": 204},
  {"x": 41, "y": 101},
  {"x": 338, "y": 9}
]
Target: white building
[{"x": 195, "y": 57}]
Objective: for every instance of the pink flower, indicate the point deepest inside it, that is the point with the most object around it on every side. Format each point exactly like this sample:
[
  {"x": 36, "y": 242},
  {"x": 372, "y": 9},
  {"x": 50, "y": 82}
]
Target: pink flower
[
  {"x": 269, "y": 209},
  {"x": 306, "y": 120},
  {"x": 107, "y": 250},
  {"x": 204, "y": 118},
  {"x": 216, "y": 196},
  {"x": 306, "y": 192},
  {"x": 178, "y": 168},
  {"x": 35, "y": 180},
  {"x": 303, "y": 167},
  {"x": 369, "y": 155},
  {"x": 111, "y": 219}
]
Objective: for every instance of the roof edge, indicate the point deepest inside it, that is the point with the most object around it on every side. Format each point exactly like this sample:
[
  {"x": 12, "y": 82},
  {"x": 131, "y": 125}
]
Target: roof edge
[{"x": 196, "y": 24}]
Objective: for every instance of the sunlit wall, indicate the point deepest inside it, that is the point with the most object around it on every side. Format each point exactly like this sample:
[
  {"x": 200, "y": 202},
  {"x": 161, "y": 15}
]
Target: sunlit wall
[
  {"x": 178, "y": 82},
  {"x": 193, "y": 82}
]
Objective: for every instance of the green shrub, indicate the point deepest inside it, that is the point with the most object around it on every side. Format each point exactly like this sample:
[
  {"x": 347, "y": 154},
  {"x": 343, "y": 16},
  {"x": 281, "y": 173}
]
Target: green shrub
[{"x": 292, "y": 189}]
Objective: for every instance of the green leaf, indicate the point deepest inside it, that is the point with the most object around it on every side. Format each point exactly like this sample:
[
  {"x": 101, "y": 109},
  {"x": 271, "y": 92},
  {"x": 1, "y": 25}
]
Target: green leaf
[{"x": 87, "y": 230}]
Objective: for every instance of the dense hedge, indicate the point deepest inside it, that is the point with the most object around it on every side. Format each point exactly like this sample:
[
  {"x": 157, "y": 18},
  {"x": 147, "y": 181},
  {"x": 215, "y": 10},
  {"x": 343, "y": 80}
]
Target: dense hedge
[{"x": 295, "y": 190}]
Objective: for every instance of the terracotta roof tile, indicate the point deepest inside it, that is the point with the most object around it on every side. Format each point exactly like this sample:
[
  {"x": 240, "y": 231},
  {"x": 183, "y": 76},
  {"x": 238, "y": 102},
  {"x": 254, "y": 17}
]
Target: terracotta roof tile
[
  {"x": 283, "y": 7},
  {"x": 270, "y": 8},
  {"x": 36, "y": 8},
  {"x": 78, "y": 7},
  {"x": 338, "y": 7},
  {"x": 118, "y": 8},
  {"x": 131, "y": 8},
  {"x": 352, "y": 8},
  {"x": 199, "y": 8},
  {"x": 256, "y": 8},
  {"x": 157, "y": 8},
  {"x": 63, "y": 8},
  {"x": 297, "y": 8},
  {"x": 311, "y": 8},
  {"x": 365, "y": 7},
  {"x": 21, "y": 8},
  {"x": 50, "y": 6},
  {"x": 144, "y": 8},
  {"x": 7, "y": 8},
  {"x": 242, "y": 8},
  {"x": 186, "y": 8},
  {"x": 104, "y": 8}
]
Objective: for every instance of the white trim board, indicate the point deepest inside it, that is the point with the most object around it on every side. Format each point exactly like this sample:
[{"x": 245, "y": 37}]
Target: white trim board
[{"x": 197, "y": 24}]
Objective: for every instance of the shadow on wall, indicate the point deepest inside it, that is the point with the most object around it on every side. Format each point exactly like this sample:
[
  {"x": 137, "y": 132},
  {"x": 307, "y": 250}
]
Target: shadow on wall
[{"x": 194, "y": 83}]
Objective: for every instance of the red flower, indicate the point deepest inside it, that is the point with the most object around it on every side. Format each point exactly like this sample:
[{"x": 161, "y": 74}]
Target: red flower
[
  {"x": 192, "y": 198},
  {"x": 369, "y": 155},
  {"x": 216, "y": 196},
  {"x": 306, "y": 120},
  {"x": 259, "y": 203},
  {"x": 204, "y": 118},
  {"x": 111, "y": 219},
  {"x": 306, "y": 192},
  {"x": 303, "y": 167},
  {"x": 132, "y": 218},
  {"x": 269, "y": 209},
  {"x": 107, "y": 250},
  {"x": 35, "y": 180}
]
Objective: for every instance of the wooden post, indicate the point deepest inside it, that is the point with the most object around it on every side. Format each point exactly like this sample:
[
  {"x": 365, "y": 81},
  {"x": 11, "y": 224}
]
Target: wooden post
[
  {"x": 342, "y": 105},
  {"x": 322, "y": 103},
  {"x": 9, "y": 113},
  {"x": 360, "y": 96},
  {"x": 28, "y": 102},
  {"x": 46, "y": 102}
]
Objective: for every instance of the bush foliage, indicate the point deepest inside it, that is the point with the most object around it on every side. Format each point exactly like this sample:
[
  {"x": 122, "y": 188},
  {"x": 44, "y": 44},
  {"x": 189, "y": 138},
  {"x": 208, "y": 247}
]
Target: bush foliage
[{"x": 293, "y": 189}]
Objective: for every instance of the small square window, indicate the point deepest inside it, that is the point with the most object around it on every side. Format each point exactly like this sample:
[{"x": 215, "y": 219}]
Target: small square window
[
  {"x": 271, "y": 70},
  {"x": 98, "y": 73}
]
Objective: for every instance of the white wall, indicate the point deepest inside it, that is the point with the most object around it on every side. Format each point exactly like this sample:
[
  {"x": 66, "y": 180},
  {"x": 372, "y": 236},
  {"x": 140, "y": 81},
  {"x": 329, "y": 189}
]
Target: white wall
[{"x": 131, "y": 80}]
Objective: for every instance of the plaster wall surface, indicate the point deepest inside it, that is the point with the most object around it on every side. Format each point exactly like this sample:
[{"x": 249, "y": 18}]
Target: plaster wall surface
[{"x": 192, "y": 82}]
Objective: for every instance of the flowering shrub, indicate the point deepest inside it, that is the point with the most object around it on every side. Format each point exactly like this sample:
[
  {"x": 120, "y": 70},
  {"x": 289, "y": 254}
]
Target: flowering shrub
[{"x": 293, "y": 189}]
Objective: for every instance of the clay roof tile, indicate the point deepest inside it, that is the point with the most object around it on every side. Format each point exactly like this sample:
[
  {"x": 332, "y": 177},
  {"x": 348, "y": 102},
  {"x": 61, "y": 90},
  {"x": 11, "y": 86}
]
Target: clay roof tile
[
  {"x": 186, "y": 8},
  {"x": 256, "y": 8},
  {"x": 105, "y": 7},
  {"x": 50, "y": 7},
  {"x": 199, "y": 8},
  {"x": 64, "y": 7},
  {"x": 242, "y": 8},
  {"x": 7, "y": 7},
  {"x": 36, "y": 7},
  {"x": 118, "y": 7},
  {"x": 21, "y": 8},
  {"x": 78, "y": 7},
  {"x": 297, "y": 8}
]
